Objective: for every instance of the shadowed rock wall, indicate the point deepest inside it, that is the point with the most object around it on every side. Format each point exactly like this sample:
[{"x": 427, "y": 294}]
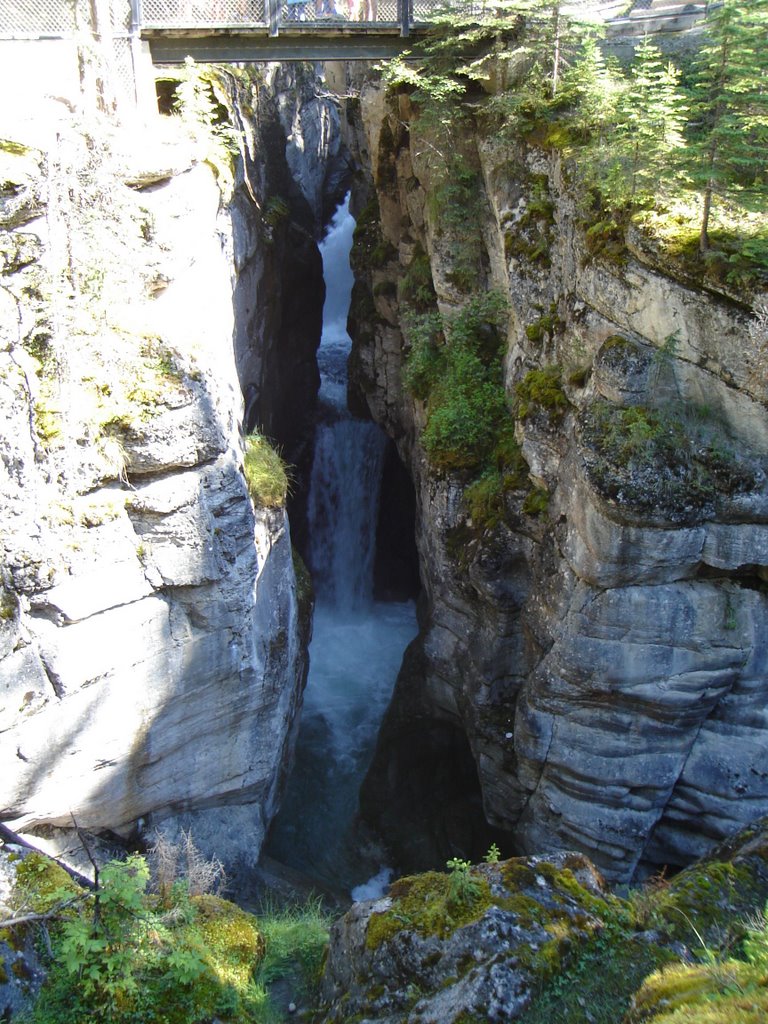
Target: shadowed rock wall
[{"x": 602, "y": 644}]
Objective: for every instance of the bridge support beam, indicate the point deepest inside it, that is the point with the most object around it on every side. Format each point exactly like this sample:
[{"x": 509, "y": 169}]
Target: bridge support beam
[{"x": 287, "y": 45}]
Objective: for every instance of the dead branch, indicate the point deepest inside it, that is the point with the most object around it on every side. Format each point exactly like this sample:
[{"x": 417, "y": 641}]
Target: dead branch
[
  {"x": 12, "y": 922},
  {"x": 7, "y": 835}
]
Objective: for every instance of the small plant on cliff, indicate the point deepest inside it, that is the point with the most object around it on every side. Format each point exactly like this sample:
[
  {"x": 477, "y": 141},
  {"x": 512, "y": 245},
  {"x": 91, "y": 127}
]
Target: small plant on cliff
[
  {"x": 265, "y": 472},
  {"x": 463, "y": 887},
  {"x": 542, "y": 390}
]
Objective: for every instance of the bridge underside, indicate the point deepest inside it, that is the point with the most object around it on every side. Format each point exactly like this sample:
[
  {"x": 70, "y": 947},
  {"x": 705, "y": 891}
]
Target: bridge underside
[{"x": 243, "y": 46}]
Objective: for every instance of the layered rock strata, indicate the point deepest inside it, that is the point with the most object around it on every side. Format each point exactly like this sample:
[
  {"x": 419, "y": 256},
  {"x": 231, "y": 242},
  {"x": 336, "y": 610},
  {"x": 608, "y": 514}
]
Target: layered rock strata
[
  {"x": 153, "y": 648},
  {"x": 600, "y": 642}
]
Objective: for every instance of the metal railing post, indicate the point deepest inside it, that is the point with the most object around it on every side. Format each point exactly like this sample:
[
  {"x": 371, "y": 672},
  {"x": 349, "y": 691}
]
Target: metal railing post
[
  {"x": 273, "y": 19},
  {"x": 403, "y": 16},
  {"x": 135, "y": 16}
]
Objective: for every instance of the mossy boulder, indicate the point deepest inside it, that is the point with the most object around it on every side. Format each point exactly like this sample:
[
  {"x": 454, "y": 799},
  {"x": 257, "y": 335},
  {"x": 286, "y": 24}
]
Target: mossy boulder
[
  {"x": 233, "y": 944},
  {"x": 673, "y": 464},
  {"x": 542, "y": 941},
  {"x": 464, "y": 945},
  {"x": 723, "y": 991}
]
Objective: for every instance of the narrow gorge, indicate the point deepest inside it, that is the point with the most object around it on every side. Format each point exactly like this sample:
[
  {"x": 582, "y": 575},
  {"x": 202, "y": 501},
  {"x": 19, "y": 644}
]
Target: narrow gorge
[{"x": 375, "y": 497}]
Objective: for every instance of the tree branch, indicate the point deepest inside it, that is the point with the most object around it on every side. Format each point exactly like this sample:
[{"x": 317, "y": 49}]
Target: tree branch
[{"x": 11, "y": 922}]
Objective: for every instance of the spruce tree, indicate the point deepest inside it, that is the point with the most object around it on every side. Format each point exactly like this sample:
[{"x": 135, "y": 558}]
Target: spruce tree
[
  {"x": 652, "y": 114},
  {"x": 591, "y": 88},
  {"x": 729, "y": 130},
  {"x": 629, "y": 162}
]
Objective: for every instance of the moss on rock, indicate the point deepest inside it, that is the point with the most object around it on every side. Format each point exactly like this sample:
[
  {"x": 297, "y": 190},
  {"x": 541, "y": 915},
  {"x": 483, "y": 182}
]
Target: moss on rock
[
  {"x": 41, "y": 883},
  {"x": 426, "y": 904}
]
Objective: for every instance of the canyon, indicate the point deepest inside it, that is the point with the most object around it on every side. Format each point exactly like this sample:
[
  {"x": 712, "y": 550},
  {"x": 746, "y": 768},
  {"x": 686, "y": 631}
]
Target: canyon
[{"x": 589, "y": 672}]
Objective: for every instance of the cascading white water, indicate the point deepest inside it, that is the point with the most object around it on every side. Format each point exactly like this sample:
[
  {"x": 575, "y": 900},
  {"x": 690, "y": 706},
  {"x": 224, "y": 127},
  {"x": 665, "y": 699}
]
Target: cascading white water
[
  {"x": 357, "y": 644},
  {"x": 343, "y": 506}
]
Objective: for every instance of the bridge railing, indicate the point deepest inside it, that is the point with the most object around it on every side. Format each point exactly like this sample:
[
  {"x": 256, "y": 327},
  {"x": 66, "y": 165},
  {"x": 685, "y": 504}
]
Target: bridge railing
[{"x": 274, "y": 14}]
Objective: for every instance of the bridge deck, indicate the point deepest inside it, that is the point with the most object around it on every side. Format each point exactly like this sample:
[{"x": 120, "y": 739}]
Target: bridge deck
[
  {"x": 242, "y": 30},
  {"x": 235, "y": 47}
]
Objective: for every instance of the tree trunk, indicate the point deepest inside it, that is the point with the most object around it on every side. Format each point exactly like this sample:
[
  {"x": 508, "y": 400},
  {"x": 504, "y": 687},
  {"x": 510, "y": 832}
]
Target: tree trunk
[
  {"x": 708, "y": 192},
  {"x": 704, "y": 232},
  {"x": 556, "y": 53}
]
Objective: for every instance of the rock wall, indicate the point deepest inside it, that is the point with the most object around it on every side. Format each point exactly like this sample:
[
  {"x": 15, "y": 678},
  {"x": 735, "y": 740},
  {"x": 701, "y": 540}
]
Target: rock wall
[
  {"x": 601, "y": 645},
  {"x": 153, "y": 647}
]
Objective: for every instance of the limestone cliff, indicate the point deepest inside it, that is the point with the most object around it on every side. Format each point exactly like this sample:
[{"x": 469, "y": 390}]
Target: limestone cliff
[
  {"x": 153, "y": 648},
  {"x": 596, "y": 629}
]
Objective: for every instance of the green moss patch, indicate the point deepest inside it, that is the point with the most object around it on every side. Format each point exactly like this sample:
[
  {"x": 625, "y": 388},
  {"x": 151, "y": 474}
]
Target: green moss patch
[
  {"x": 541, "y": 391},
  {"x": 426, "y": 904},
  {"x": 719, "y": 992},
  {"x": 41, "y": 883},
  {"x": 706, "y": 902}
]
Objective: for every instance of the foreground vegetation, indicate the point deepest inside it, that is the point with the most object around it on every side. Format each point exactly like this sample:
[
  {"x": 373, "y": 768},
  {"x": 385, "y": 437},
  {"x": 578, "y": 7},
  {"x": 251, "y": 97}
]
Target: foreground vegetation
[
  {"x": 159, "y": 947},
  {"x": 153, "y": 944}
]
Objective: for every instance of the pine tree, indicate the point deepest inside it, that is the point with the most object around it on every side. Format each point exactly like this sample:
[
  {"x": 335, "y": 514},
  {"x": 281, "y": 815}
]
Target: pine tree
[
  {"x": 591, "y": 88},
  {"x": 629, "y": 162},
  {"x": 553, "y": 36},
  {"x": 729, "y": 132},
  {"x": 652, "y": 113}
]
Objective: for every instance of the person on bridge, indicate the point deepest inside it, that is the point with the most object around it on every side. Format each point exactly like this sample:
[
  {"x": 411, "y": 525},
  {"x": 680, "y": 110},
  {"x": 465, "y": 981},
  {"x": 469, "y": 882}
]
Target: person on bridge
[{"x": 362, "y": 10}]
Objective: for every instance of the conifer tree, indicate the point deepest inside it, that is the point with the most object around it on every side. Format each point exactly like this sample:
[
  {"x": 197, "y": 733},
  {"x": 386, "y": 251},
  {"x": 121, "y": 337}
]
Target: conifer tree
[
  {"x": 591, "y": 88},
  {"x": 630, "y": 159},
  {"x": 652, "y": 112},
  {"x": 552, "y": 35},
  {"x": 729, "y": 131}
]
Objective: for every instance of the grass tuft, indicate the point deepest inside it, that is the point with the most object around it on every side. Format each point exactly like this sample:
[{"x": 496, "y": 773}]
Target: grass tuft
[{"x": 265, "y": 473}]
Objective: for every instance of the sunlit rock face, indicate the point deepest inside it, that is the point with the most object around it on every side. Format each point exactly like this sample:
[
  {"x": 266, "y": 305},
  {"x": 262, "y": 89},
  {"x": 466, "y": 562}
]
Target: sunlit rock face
[
  {"x": 153, "y": 654},
  {"x": 606, "y": 656}
]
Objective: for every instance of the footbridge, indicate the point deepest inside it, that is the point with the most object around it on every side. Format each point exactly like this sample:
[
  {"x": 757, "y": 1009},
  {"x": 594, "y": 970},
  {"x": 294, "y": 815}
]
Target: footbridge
[
  {"x": 240, "y": 30},
  {"x": 136, "y": 34}
]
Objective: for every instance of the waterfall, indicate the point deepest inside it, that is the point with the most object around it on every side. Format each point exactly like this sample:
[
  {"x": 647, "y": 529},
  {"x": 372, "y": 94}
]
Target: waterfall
[
  {"x": 346, "y": 472},
  {"x": 343, "y": 507},
  {"x": 357, "y": 643}
]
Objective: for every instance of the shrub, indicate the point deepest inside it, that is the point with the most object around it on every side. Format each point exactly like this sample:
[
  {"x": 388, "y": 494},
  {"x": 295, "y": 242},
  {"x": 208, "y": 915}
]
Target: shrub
[
  {"x": 541, "y": 389},
  {"x": 132, "y": 957},
  {"x": 416, "y": 287},
  {"x": 172, "y": 863},
  {"x": 466, "y": 410},
  {"x": 455, "y": 363},
  {"x": 265, "y": 473}
]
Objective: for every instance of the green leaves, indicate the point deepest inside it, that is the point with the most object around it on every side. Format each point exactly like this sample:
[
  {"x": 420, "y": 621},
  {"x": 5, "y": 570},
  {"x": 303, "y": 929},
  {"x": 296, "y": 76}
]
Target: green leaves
[
  {"x": 455, "y": 364},
  {"x": 730, "y": 105}
]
